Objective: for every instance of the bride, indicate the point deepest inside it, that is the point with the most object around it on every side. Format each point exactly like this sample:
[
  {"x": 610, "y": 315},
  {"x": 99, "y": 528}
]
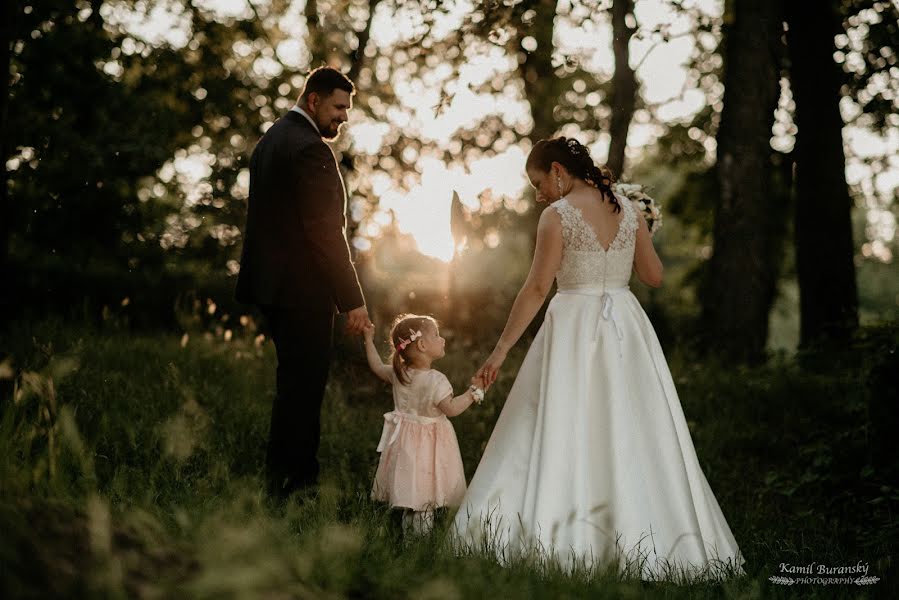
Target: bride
[{"x": 591, "y": 462}]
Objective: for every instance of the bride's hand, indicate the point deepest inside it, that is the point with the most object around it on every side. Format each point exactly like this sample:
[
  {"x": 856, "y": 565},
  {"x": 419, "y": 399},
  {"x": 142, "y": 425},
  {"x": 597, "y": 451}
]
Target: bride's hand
[
  {"x": 490, "y": 369},
  {"x": 479, "y": 381}
]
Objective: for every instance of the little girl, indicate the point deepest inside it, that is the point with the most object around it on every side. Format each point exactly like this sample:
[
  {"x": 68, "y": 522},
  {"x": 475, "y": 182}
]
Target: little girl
[{"x": 420, "y": 467}]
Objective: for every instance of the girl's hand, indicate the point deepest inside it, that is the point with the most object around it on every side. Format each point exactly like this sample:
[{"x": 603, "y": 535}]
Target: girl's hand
[
  {"x": 490, "y": 369},
  {"x": 479, "y": 382},
  {"x": 369, "y": 332}
]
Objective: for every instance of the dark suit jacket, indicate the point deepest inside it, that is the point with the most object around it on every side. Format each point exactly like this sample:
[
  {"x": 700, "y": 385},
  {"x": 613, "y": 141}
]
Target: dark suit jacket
[{"x": 295, "y": 251}]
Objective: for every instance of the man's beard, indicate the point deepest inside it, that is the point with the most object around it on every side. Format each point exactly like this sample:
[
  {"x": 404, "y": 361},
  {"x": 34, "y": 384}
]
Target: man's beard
[{"x": 330, "y": 131}]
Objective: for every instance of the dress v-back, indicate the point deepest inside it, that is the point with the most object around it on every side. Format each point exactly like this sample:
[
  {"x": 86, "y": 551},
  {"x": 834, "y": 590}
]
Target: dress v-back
[{"x": 591, "y": 460}]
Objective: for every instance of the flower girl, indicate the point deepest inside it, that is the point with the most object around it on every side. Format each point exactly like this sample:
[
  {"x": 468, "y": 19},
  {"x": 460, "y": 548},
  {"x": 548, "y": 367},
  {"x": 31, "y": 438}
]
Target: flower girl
[{"x": 420, "y": 467}]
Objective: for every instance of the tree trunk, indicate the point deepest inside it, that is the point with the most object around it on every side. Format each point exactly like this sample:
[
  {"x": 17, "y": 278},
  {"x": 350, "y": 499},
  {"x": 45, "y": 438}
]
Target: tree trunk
[
  {"x": 357, "y": 58},
  {"x": 10, "y": 12},
  {"x": 540, "y": 81},
  {"x": 828, "y": 297},
  {"x": 624, "y": 86},
  {"x": 744, "y": 265},
  {"x": 315, "y": 38}
]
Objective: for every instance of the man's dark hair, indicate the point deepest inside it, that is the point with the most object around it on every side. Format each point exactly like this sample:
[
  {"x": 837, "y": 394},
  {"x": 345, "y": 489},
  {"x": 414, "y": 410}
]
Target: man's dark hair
[{"x": 324, "y": 80}]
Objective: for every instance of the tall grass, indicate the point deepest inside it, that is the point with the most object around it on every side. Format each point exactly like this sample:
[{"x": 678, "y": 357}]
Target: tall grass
[{"x": 132, "y": 467}]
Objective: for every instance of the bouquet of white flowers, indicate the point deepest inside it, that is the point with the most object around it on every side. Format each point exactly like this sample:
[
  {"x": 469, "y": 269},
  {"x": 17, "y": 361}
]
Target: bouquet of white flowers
[{"x": 651, "y": 210}]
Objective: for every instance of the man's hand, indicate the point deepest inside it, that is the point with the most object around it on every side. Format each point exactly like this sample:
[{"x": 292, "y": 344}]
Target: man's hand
[{"x": 357, "y": 320}]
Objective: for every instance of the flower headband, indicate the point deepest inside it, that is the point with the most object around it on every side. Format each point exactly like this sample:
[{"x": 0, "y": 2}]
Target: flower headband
[{"x": 413, "y": 335}]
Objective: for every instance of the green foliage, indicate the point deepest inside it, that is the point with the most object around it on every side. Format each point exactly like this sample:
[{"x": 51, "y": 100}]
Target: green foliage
[
  {"x": 83, "y": 138},
  {"x": 157, "y": 488}
]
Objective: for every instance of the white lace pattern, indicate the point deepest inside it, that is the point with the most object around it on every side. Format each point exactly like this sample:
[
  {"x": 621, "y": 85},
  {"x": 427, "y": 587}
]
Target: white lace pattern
[{"x": 585, "y": 262}]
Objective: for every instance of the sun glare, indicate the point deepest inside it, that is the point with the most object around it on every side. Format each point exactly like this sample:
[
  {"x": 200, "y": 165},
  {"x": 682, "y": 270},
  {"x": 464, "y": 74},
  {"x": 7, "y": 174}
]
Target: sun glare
[{"x": 424, "y": 212}]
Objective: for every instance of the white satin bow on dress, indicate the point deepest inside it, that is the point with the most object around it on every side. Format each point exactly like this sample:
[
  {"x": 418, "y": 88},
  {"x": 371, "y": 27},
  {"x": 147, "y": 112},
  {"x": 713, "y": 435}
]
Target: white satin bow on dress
[{"x": 393, "y": 422}]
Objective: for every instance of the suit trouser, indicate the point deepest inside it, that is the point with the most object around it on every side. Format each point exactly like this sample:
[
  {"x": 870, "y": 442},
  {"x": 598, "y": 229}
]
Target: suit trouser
[{"x": 302, "y": 338}]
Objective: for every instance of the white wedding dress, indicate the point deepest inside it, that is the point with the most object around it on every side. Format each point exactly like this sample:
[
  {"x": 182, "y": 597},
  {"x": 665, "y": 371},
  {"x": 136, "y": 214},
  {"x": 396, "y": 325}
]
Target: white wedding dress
[{"x": 591, "y": 462}]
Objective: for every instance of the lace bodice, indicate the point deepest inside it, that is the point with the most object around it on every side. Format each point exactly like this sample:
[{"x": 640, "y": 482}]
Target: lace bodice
[{"x": 584, "y": 261}]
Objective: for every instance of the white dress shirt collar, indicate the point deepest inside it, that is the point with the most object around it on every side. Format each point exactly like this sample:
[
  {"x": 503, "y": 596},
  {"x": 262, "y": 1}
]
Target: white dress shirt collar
[{"x": 297, "y": 109}]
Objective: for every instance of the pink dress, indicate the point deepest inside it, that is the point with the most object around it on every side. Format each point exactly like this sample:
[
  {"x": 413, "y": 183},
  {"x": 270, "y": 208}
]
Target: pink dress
[{"x": 420, "y": 466}]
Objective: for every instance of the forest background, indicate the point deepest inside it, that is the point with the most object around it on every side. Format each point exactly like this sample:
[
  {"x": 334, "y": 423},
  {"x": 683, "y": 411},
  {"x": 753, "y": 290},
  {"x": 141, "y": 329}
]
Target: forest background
[{"x": 768, "y": 133}]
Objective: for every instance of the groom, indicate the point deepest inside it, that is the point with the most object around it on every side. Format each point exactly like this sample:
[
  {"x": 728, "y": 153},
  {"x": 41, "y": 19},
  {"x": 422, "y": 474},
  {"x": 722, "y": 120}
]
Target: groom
[{"x": 296, "y": 266}]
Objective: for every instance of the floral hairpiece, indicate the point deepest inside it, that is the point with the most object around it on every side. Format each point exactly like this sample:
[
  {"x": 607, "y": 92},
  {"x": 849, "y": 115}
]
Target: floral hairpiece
[{"x": 413, "y": 335}]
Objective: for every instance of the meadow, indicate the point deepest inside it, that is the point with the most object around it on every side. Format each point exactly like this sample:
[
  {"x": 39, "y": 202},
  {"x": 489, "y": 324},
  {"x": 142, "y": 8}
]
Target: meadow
[{"x": 132, "y": 468}]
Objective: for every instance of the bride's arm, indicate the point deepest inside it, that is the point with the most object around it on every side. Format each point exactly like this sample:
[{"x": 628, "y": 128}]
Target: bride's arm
[
  {"x": 646, "y": 262},
  {"x": 547, "y": 258}
]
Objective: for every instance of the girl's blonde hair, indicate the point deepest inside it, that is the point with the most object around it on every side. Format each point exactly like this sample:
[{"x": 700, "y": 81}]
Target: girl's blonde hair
[{"x": 401, "y": 344}]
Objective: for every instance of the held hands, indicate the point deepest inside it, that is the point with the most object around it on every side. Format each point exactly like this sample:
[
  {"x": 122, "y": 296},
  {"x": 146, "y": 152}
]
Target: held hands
[
  {"x": 478, "y": 389},
  {"x": 479, "y": 383},
  {"x": 490, "y": 369},
  {"x": 368, "y": 332},
  {"x": 357, "y": 320}
]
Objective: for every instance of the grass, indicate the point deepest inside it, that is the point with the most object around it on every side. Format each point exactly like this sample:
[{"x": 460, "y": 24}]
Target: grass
[{"x": 132, "y": 467}]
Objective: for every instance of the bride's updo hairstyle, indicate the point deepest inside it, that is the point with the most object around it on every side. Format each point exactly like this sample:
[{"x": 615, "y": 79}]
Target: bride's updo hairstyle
[
  {"x": 575, "y": 157},
  {"x": 401, "y": 341}
]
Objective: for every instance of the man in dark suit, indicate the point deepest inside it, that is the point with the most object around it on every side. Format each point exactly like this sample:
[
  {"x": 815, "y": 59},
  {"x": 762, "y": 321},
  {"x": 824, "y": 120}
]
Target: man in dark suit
[{"x": 296, "y": 266}]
